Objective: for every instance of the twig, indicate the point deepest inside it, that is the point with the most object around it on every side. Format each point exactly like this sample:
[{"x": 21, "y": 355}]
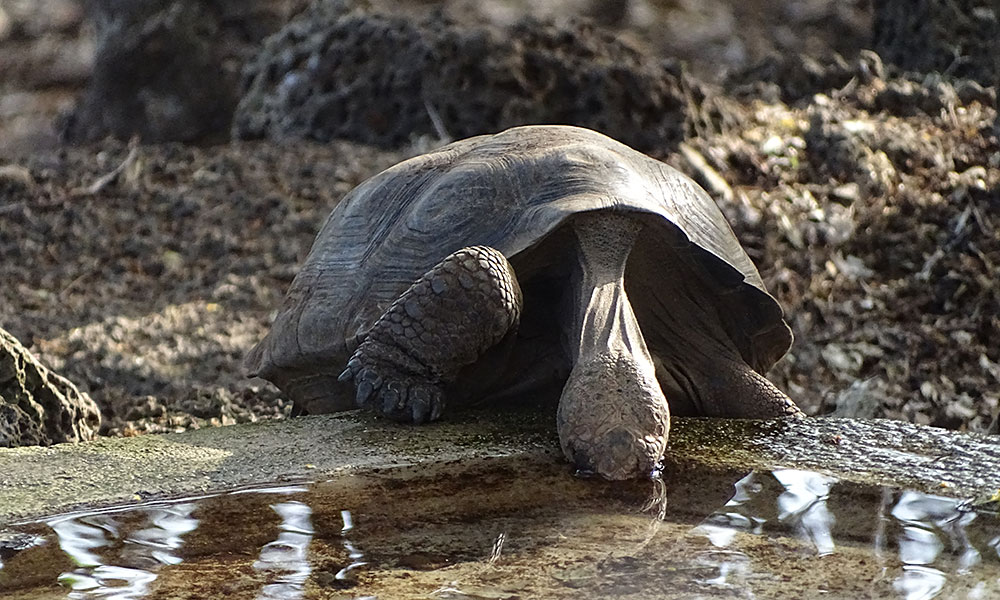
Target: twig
[
  {"x": 432, "y": 112},
  {"x": 12, "y": 207},
  {"x": 109, "y": 178},
  {"x": 89, "y": 271},
  {"x": 925, "y": 272},
  {"x": 706, "y": 173}
]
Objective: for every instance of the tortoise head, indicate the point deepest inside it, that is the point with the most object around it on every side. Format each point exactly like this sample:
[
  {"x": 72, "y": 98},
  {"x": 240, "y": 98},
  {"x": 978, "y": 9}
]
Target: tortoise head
[{"x": 613, "y": 419}]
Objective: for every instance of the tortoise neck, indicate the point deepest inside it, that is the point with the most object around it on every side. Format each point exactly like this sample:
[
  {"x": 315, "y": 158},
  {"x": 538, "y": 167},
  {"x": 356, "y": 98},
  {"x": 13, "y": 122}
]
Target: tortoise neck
[
  {"x": 604, "y": 321},
  {"x": 613, "y": 418}
]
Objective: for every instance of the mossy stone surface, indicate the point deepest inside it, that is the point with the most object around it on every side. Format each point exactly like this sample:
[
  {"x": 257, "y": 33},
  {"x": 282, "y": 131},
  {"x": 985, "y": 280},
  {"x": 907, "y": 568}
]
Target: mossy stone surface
[{"x": 41, "y": 481}]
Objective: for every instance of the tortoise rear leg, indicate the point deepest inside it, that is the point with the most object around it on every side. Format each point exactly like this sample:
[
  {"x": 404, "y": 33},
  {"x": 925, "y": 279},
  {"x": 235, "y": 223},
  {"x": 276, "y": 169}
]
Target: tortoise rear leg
[{"x": 446, "y": 320}]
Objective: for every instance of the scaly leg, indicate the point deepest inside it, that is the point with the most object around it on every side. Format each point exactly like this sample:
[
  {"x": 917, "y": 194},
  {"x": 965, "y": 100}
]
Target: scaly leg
[{"x": 446, "y": 320}]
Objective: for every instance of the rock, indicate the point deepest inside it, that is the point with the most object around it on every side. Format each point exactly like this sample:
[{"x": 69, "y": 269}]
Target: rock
[
  {"x": 796, "y": 77},
  {"x": 6, "y": 24},
  {"x": 38, "y": 407},
  {"x": 957, "y": 37},
  {"x": 846, "y": 149},
  {"x": 169, "y": 69},
  {"x": 12, "y": 542},
  {"x": 16, "y": 182},
  {"x": 340, "y": 72}
]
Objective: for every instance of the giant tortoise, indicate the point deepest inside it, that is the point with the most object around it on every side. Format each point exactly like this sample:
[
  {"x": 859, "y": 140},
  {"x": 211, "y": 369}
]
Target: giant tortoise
[{"x": 542, "y": 257}]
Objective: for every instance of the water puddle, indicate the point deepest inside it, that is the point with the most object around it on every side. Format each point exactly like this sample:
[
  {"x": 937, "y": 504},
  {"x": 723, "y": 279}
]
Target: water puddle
[{"x": 510, "y": 529}]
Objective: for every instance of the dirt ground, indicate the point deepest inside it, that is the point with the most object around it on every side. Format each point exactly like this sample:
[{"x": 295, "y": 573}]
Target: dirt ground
[{"x": 866, "y": 197}]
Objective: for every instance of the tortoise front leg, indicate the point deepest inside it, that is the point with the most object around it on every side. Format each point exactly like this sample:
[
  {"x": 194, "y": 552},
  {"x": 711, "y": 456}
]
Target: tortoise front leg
[{"x": 446, "y": 320}]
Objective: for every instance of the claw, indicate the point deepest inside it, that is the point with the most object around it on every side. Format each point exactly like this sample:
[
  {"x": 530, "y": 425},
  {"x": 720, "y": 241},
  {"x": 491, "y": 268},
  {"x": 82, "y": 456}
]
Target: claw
[
  {"x": 371, "y": 376},
  {"x": 368, "y": 381},
  {"x": 437, "y": 405},
  {"x": 352, "y": 369},
  {"x": 390, "y": 398},
  {"x": 420, "y": 404},
  {"x": 402, "y": 389},
  {"x": 365, "y": 390}
]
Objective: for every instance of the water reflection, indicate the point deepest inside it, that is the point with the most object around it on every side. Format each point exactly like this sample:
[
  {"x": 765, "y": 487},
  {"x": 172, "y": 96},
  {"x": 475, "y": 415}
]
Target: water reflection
[
  {"x": 775, "y": 527},
  {"x": 117, "y": 558},
  {"x": 919, "y": 583},
  {"x": 930, "y": 533},
  {"x": 803, "y": 506},
  {"x": 722, "y": 526},
  {"x": 731, "y": 570},
  {"x": 931, "y": 525},
  {"x": 353, "y": 554},
  {"x": 925, "y": 517},
  {"x": 11, "y": 543},
  {"x": 287, "y": 558}
]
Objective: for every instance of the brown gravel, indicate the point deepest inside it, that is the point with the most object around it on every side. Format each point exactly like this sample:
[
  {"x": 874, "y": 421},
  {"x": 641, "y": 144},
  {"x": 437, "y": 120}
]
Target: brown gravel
[
  {"x": 870, "y": 209},
  {"x": 867, "y": 199},
  {"x": 148, "y": 291}
]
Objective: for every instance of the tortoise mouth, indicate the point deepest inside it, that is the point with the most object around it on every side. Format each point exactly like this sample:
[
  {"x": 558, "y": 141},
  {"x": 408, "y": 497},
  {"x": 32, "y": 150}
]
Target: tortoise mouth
[{"x": 619, "y": 455}]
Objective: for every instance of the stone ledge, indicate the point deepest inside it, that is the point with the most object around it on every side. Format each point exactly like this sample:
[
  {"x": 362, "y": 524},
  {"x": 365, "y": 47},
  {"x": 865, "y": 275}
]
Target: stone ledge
[{"x": 40, "y": 481}]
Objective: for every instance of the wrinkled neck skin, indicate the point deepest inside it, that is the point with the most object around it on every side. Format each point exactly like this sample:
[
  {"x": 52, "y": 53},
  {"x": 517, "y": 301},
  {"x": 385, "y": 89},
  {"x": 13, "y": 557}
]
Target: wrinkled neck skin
[
  {"x": 606, "y": 323},
  {"x": 613, "y": 419}
]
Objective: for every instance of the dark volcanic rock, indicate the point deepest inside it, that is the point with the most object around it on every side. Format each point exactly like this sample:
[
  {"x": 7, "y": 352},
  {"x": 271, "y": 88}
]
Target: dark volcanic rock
[
  {"x": 169, "y": 69},
  {"x": 341, "y": 73},
  {"x": 38, "y": 406},
  {"x": 958, "y": 37}
]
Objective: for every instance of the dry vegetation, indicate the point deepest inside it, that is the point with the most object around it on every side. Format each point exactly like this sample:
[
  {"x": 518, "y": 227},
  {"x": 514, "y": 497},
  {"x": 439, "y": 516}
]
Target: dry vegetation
[{"x": 866, "y": 196}]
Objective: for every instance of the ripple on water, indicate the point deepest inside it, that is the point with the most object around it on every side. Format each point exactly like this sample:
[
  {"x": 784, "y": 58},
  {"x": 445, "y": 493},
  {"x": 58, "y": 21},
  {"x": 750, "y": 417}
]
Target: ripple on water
[{"x": 513, "y": 529}]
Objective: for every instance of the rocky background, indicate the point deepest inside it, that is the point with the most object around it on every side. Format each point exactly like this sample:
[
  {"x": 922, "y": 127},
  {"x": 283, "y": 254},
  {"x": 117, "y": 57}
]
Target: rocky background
[{"x": 165, "y": 165}]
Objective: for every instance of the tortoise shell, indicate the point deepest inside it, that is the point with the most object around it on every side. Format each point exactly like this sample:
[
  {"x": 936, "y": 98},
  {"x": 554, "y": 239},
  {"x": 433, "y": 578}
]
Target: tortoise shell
[{"x": 514, "y": 191}]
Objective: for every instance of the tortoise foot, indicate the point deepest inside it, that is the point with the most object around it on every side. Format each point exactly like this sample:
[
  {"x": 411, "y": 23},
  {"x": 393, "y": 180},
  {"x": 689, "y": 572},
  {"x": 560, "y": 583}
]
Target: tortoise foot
[
  {"x": 446, "y": 320},
  {"x": 393, "y": 394}
]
